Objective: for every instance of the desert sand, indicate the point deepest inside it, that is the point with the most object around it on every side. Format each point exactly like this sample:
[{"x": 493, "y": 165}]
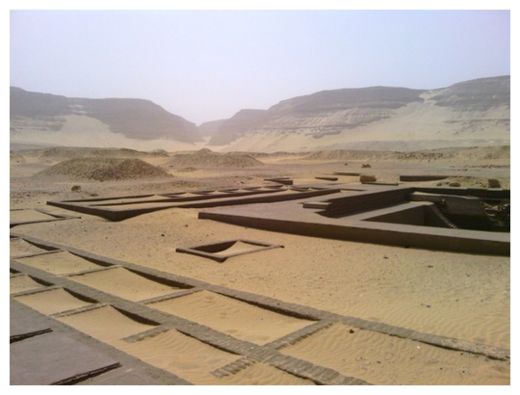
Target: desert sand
[
  {"x": 60, "y": 263},
  {"x": 259, "y": 373},
  {"x": 21, "y": 283},
  {"x": 230, "y": 316},
  {"x": 458, "y": 295},
  {"x": 92, "y": 323},
  {"x": 181, "y": 355},
  {"x": 53, "y": 301},
  {"x": 383, "y": 359},
  {"x": 28, "y": 215},
  {"x": 20, "y": 247},
  {"x": 124, "y": 283}
]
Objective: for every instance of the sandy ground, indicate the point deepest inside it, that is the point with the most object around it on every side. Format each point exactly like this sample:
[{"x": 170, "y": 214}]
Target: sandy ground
[
  {"x": 182, "y": 355},
  {"x": 381, "y": 359},
  {"x": 28, "y": 215},
  {"x": 23, "y": 283},
  {"x": 124, "y": 283},
  {"x": 259, "y": 373},
  {"x": 451, "y": 294},
  {"x": 21, "y": 247},
  {"x": 94, "y": 323},
  {"x": 53, "y": 301},
  {"x": 238, "y": 319},
  {"x": 60, "y": 263}
]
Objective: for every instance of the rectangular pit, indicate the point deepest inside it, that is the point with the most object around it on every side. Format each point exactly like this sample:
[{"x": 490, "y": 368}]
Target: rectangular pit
[
  {"x": 182, "y": 355},
  {"x": 233, "y": 317},
  {"x": 126, "y": 284},
  {"x": 23, "y": 282},
  {"x": 382, "y": 359},
  {"x": 226, "y": 249},
  {"x": 53, "y": 301},
  {"x": 341, "y": 219},
  {"x": 420, "y": 215},
  {"x": 21, "y": 247},
  {"x": 29, "y": 215},
  {"x": 60, "y": 263},
  {"x": 107, "y": 324}
]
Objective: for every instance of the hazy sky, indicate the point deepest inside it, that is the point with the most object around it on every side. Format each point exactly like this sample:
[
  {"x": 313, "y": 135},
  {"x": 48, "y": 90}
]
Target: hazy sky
[{"x": 208, "y": 65}]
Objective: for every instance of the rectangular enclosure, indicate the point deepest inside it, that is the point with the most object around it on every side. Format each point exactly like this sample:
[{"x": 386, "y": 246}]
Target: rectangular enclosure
[
  {"x": 126, "y": 284},
  {"x": 386, "y": 360},
  {"x": 21, "y": 247},
  {"x": 60, "y": 263},
  {"x": 94, "y": 323},
  {"x": 23, "y": 282},
  {"x": 227, "y": 249},
  {"x": 180, "y": 354},
  {"x": 234, "y": 317},
  {"x": 54, "y": 301},
  {"x": 29, "y": 215}
]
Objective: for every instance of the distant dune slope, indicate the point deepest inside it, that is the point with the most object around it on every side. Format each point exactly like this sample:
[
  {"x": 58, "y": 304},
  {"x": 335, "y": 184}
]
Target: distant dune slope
[
  {"x": 469, "y": 113},
  {"x": 133, "y": 118}
]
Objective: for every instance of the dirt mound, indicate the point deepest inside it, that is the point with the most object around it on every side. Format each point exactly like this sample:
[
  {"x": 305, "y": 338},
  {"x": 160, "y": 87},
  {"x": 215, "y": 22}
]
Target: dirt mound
[
  {"x": 207, "y": 158},
  {"x": 349, "y": 155},
  {"x": 87, "y": 152},
  {"x": 102, "y": 169}
]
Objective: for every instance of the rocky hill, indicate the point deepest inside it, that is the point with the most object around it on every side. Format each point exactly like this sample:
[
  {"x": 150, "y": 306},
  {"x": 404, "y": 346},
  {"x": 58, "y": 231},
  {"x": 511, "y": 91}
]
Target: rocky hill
[
  {"x": 469, "y": 113},
  {"x": 232, "y": 128},
  {"x": 133, "y": 118}
]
